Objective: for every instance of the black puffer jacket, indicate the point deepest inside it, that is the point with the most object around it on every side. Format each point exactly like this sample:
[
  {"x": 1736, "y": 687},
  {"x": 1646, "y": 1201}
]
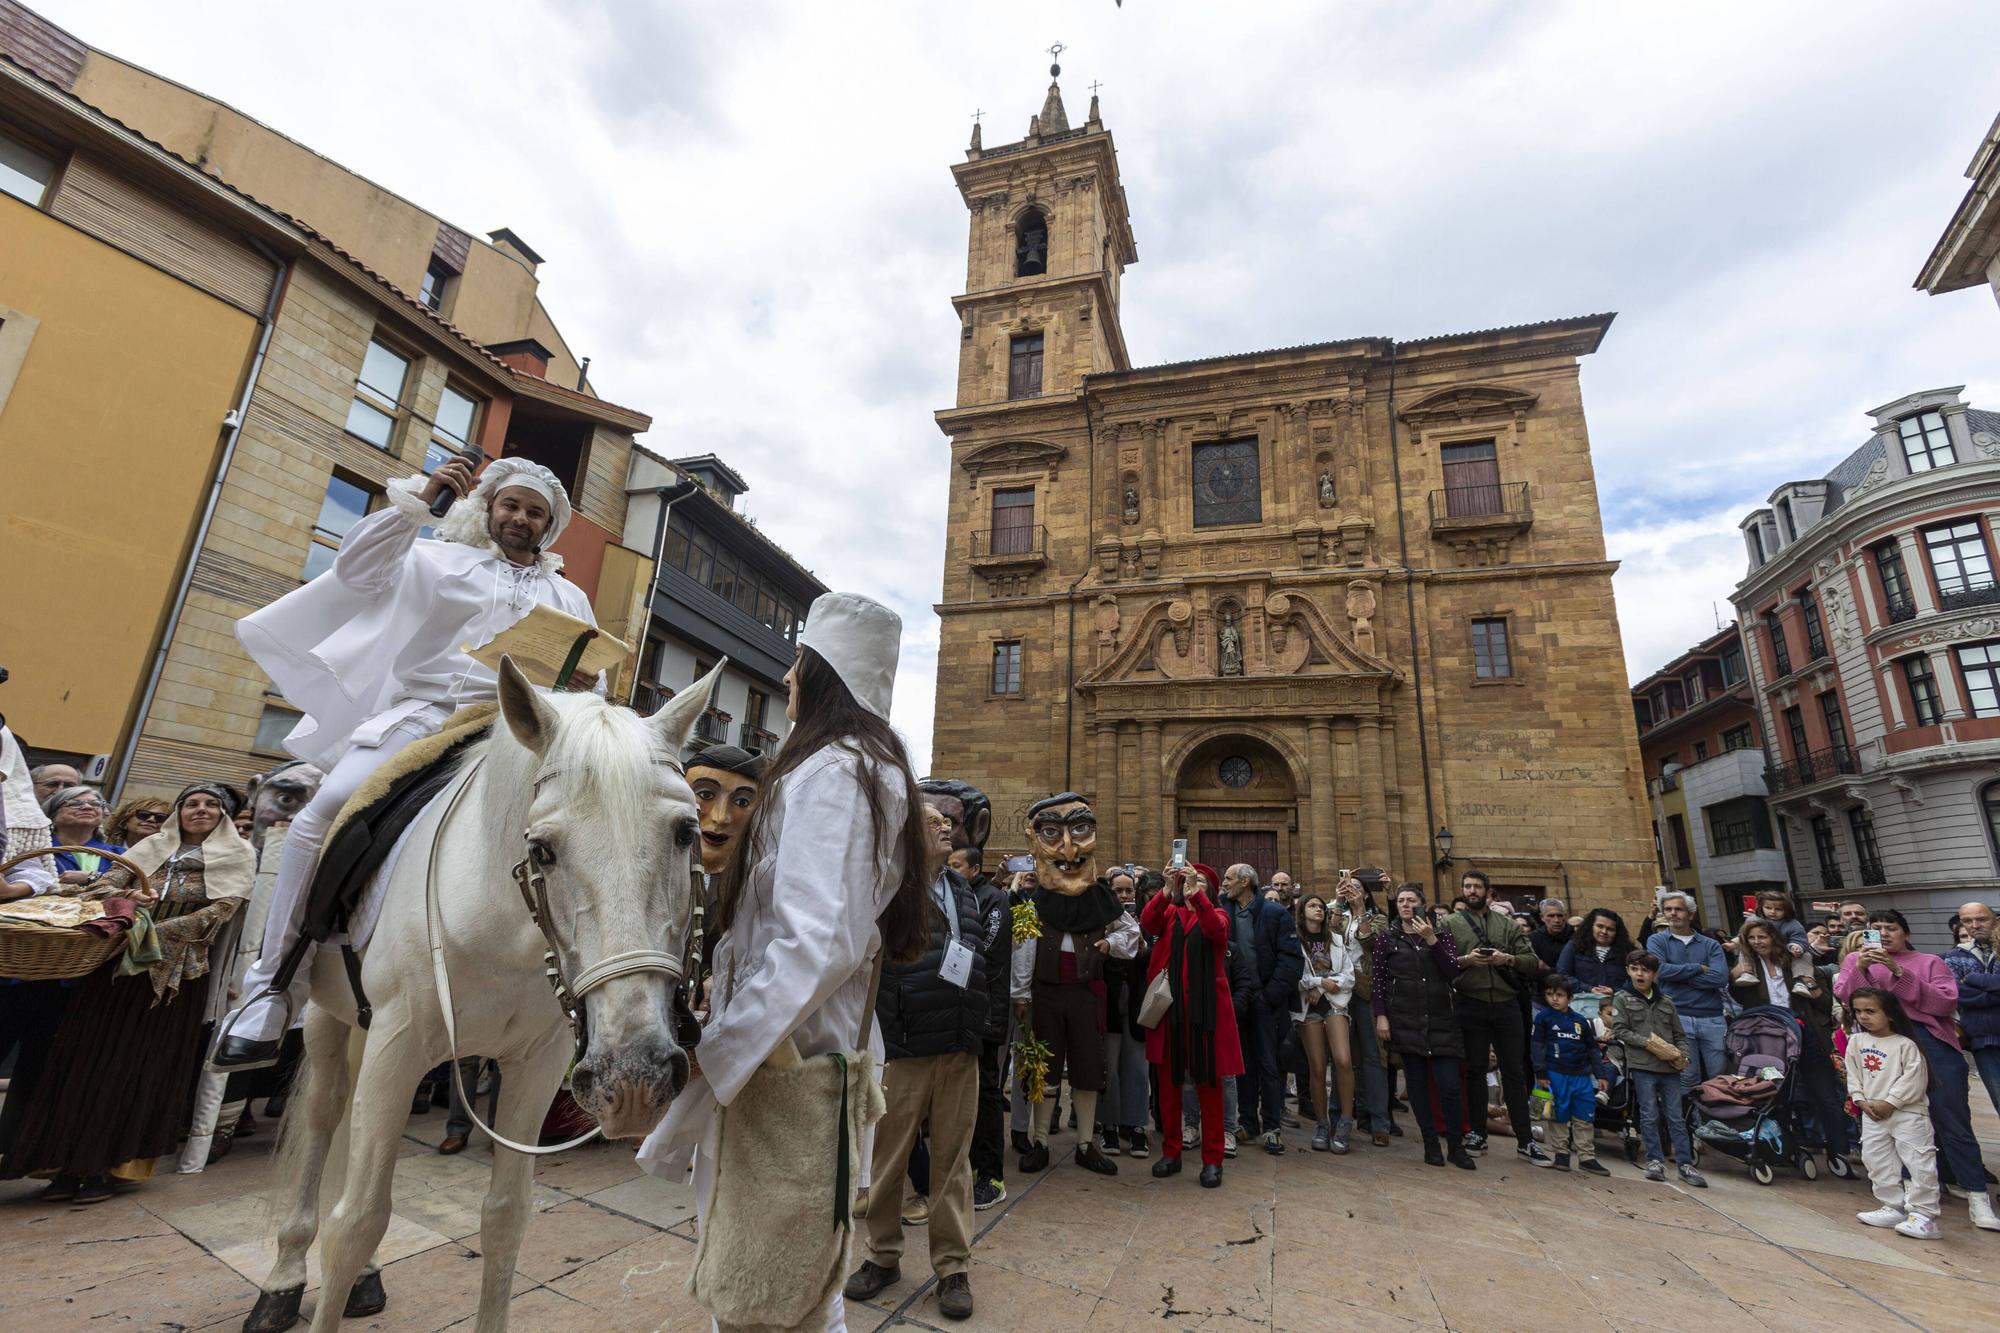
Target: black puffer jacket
[
  {"x": 1418, "y": 998},
  {"x": 996, "y": 923},
  {"x": 922, "y": 1014}
]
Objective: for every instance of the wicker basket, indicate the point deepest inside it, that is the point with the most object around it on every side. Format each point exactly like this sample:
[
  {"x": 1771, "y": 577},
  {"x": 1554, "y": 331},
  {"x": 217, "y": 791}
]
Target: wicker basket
[{"x": 50, "y": 953}]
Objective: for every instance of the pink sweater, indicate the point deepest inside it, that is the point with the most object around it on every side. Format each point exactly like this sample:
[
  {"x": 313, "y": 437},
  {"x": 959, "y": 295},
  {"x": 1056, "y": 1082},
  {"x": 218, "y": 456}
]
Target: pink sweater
[{"x": 1927, "y": 988}]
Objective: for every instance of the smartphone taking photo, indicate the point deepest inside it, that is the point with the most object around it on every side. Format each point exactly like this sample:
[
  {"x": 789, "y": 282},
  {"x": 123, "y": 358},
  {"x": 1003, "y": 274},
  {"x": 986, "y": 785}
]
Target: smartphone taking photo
[{"x": 1179, "y": 856}]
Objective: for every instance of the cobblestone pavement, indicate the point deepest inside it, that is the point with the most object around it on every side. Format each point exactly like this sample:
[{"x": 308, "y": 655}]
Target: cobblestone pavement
[{"x": 1375, "y": 1240}]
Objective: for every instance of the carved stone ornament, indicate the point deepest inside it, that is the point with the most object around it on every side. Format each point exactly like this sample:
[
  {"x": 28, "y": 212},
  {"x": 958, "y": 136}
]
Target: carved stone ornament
[
  {"x": 1327, "y": 496},
  {"x": 1977, "y": 627},
  {"x": 1986, "y": 443},
  {"x": 1131, "y": 504},
  {"x": 1877, "y": 473},
  {"x": 1230, "y": 648}
]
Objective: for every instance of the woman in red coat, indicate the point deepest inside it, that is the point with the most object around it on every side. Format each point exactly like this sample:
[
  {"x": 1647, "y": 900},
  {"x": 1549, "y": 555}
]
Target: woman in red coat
[{"x": 1196, "y": 1042}]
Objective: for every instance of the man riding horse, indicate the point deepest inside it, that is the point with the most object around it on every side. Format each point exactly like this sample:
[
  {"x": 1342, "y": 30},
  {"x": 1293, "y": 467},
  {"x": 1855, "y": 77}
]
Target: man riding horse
[{"x": 373, "y": 651}]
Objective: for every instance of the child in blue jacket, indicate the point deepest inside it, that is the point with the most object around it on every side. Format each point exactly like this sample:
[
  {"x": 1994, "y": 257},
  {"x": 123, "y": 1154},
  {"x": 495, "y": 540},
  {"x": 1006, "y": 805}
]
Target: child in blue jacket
[{"x": 1565, "y": 1054}]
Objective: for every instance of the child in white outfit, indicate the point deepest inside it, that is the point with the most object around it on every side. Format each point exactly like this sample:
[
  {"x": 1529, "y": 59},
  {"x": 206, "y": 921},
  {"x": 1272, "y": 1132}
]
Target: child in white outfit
[{"x": 1889, "y": 1081}]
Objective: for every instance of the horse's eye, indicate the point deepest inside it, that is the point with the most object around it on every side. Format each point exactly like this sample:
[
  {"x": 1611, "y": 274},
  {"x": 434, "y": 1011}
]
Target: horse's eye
[
  {"x": 684, "y": 835},
  {"x": 542, "y": 854}
]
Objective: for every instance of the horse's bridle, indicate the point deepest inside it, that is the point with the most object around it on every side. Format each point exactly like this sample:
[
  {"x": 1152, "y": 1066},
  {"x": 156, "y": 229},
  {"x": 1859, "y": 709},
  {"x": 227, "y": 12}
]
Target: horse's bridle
[
  {"x": 528, "y": 876},
  {"x": 685, "y": 969}
]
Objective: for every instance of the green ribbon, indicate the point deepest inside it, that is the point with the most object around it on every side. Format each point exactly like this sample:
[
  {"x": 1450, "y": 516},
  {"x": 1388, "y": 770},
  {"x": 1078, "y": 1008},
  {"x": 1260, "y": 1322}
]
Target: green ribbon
[{"x": 575, "y": 656}]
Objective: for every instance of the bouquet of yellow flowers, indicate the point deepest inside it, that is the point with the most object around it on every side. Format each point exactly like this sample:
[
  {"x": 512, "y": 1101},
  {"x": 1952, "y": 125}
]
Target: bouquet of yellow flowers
[
  {"x": 1032, "y": 1060},
  {"x": 1027, "y": 923}
]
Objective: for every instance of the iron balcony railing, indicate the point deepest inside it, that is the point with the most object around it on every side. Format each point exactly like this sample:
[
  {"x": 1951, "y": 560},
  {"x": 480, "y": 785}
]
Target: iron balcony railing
[
  {"x": 1499, "y": 502},
  {"x": 1901, "y": 607},
  {"x": 1872, "y": 874},
  {"x": 756, "y": 738},
  {"x": 1000, "y": 543},
  {"x": 1982, "y": 592},
  {"x": 712, "y": 727},
  {"x": 1810, "y": 768}
]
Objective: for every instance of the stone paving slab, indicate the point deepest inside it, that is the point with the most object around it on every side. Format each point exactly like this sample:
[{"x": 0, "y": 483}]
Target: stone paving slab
[{"x": 1371, "y": 1241}]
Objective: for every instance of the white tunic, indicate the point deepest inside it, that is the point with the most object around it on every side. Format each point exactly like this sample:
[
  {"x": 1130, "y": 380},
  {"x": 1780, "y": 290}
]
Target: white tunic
[
  {"x": 795, "y": 962},
  {"x": 380, "y": 635}
]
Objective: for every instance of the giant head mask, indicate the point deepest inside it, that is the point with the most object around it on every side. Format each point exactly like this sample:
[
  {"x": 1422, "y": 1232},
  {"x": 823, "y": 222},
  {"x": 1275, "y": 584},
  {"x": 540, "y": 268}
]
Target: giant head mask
[
  {"x": 727, "y": 783},
  {"x": 970, "y": 813},
  {"x": 1062, "y": 830}
]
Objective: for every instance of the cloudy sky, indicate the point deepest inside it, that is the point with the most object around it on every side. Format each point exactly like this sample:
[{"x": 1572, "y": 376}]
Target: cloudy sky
[{"x": 749, "y": 221}]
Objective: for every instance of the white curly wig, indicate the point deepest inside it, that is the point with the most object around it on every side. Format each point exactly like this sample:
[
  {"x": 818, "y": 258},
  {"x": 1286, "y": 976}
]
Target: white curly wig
[{"x": 467, "y": 522}]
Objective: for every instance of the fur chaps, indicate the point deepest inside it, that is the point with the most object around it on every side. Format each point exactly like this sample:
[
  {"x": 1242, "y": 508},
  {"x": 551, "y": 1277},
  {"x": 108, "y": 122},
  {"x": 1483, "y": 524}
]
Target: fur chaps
[{"x": 771, "y": 1256}]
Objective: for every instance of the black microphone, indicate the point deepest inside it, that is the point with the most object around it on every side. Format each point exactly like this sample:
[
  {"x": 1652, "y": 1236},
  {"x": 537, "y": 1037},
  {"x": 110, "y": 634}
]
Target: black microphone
[{"x": 473, "y": 455}]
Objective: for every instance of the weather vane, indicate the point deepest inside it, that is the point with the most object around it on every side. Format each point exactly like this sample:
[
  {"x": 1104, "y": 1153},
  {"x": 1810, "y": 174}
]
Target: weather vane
[{"x": 1055, "y": 59}]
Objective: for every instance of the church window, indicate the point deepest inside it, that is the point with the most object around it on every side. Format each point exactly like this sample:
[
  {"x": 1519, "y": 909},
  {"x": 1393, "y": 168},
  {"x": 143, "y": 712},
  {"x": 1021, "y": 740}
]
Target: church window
[
  {"x": 1013, "y": 521},
  {"x": 1226, "y": 485},
  {"x": 1031, "y": 244},
  {"x": 1235, "y": 771},
  {"x": 1024, "y": 366},
  {"x": 1007, "y": 667},
  {"x": 1492, "y": 658}
]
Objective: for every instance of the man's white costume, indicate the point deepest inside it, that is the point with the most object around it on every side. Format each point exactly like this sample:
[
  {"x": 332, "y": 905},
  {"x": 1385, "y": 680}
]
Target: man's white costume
[
  {"x": 23, "y": 826},
  {"x": 372, "y": 652},
  {"x": 795, "y": 961}
]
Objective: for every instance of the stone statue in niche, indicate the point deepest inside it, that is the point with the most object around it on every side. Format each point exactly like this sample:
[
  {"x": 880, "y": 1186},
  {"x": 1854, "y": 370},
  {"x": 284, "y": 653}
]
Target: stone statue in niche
[
  {"x": 1326, "y": 492},
  {"x": 1131, "y": 504},
  {"x": 1231, "y": 644}
]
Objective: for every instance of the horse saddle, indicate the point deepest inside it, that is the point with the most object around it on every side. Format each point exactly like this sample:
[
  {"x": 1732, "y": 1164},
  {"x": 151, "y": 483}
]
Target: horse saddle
[{"x": 366, "y": 830}]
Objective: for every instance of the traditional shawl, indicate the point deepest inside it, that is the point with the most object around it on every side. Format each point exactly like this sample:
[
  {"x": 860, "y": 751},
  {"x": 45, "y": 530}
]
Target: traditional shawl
[
  {"x": 1191, "y": 1016},
  {"x": 229, "y": 866}
]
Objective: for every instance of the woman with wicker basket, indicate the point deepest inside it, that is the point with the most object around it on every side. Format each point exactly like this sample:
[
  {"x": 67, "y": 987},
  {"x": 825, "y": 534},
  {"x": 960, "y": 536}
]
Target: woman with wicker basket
[{"x": 115, "y": 1092}]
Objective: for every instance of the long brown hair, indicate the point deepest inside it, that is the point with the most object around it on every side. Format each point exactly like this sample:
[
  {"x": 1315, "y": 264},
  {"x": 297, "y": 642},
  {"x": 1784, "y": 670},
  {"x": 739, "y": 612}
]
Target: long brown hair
[{"x": 829, "y": 715}]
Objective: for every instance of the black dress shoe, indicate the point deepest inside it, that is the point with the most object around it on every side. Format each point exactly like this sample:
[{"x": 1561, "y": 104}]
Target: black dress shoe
[
  {"x": 1091, "y": 1158},
  {"x": 1211, "y": 1177},
  {"x": 1036, "y": 1158},
  {"x": 1167, "y": 1166},
  {"x": 233, "y": 1053}
]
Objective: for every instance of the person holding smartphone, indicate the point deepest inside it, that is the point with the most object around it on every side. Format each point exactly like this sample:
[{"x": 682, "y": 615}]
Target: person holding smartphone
[
  {"x": 1196, "y": 1044},
  {"x": 1360, "y": 918},
  {"x": 1495, "y": 962},
  {"x": 1416, "y": 1015}
]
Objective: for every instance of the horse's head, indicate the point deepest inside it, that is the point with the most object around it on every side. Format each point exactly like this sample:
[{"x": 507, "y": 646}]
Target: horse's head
[{"x": 614, "y": 835}]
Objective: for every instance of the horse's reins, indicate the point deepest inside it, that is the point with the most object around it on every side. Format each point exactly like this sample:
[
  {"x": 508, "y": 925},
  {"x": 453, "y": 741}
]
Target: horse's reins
[{"x": 529, "y": 878}]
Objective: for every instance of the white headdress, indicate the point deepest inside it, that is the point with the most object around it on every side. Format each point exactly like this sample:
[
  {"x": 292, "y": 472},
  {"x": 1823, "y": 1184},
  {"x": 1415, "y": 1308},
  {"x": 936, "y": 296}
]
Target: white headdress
[
  {"x": 467, "y": 521},
  {"x": 860, "y": 639}
]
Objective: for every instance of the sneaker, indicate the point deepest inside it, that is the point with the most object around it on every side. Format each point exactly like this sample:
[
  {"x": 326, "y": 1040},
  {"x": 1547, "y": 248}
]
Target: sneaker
[
  {"x": 1228, "y": 1143},
  {"x": 1603, "y": 1097},
  {"x": 1288, "y": 1120},
  {"x": 1656, "y": 1169},
  {"x": 1692, "y": 1177},
  {"x": 1379, "y": 1139},
  {"x": 1108, "y": 1143},
  {"x": 1562, "y": 1161},
  {"x": 1190, "y": 1137},
  {"x": 1322, "y": 1140},
  {"x": 1590, "y": 1166},
  {"x": 1981, "y": 1207},
  {"x": 1535, "y": 1154},
  {"x": 1918, "y": 1227},
  {"x": 988, "y": 1194},
  {"x": 1136, "y": 1146},
  {"x": 917, "y": 1212},
  {"x": 1274, "y": 1144},
  {"x": 1884, "y": 1216},
  {"x": 1474, "y": 1143},
  {"x": 1343, "y": 1129}
]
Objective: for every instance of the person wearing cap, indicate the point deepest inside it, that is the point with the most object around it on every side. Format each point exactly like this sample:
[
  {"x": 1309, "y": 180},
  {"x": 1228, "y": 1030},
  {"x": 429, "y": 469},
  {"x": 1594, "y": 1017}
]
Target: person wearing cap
[
  {"x": 373, "y": 652},
  {"x": 830, "y": 871},
  {"x": 113, "y": 1095}
]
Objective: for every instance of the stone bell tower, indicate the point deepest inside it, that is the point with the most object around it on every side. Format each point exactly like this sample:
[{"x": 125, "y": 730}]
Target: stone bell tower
[{"x": 1048, "y": 243}]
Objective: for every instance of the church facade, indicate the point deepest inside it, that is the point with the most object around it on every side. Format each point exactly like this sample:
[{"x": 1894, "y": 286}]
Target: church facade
[{"x": 1305, "y": 607}]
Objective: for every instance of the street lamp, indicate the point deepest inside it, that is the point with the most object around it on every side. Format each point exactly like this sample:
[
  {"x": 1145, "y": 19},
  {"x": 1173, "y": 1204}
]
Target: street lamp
[{"x": 1442, "y": 840}]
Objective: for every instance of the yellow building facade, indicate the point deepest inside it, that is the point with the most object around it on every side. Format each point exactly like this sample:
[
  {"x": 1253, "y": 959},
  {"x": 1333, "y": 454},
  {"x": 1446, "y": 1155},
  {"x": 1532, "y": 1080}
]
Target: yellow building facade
[{"x": 1304, "y": 608}]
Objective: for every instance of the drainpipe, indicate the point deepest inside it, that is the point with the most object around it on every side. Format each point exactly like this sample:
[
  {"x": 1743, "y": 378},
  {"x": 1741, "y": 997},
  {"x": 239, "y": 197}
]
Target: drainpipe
[
  {"x": 267, "y": 322},
  {"x": 680, "y": 490},
  {"x": 1089, "y": 554},
  {"x": 1410, "y": 611}
]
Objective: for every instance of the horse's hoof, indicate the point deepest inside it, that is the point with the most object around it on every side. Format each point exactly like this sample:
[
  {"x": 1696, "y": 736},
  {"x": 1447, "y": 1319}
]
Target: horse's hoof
[
  {"x": 275, "y": 1311},
  {"x": 366, "y": 1296}
]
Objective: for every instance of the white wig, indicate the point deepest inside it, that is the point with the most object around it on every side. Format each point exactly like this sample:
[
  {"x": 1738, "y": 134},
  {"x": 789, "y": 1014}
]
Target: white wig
[{"x": 468, "y": 519}]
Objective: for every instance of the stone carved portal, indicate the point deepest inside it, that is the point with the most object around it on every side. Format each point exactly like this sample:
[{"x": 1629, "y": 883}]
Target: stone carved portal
[{"x": 1236, "y": 799}]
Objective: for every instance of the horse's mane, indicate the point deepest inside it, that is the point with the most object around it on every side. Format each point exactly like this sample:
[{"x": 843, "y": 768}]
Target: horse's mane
[{"x": 615, "y": 746}]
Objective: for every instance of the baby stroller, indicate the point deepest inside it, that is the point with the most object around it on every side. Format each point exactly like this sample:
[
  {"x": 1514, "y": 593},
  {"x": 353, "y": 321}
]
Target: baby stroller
[
  {"x": 1756, "y": 1124},
  {"x": 1617, "y": 1108}
]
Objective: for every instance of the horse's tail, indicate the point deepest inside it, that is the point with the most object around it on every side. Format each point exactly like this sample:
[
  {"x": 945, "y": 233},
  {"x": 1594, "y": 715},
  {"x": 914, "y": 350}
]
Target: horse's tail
[{"x": 321, "y": 1087}]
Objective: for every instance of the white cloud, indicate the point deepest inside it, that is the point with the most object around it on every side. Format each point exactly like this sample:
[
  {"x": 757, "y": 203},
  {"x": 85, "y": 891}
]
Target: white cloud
[{"x": 751, "y": 228}]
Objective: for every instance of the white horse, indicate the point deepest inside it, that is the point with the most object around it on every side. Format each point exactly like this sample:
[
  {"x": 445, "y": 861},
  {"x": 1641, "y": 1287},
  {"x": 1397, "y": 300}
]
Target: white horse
[{"x": 592, "y": 796}]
